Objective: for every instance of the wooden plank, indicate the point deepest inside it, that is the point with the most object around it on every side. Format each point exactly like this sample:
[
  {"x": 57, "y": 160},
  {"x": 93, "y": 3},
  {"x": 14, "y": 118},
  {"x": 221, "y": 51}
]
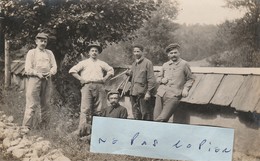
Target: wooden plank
[
  {"x": 198, "y": 77},
  {"x": 221, "y": 70},
  {"x": 248, "y": 95},
  {"x": 227, "y": 90},
  {"x": 206, "y": 89},
  {"x": 21, "y": 67},
  {"x": 257, "y": 108},
  {"x": 14, "y": 66}
]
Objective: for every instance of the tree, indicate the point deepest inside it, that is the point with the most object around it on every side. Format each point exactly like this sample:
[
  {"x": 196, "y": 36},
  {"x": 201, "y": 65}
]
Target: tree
[
  {"x": 246, "y": 32},
  {"x": 196, "y": 41},
  {"x": 157, "y": 32},
  {"x": 73, "y": 23}
]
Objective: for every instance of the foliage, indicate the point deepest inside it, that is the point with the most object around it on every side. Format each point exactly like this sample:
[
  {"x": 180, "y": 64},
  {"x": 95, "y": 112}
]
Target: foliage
[
  {"x": 73, "y": 23},
  {"x": 197, "y": 41},
  {"x": 246, "y": 31},
  {"x": 156, "y": 33}
]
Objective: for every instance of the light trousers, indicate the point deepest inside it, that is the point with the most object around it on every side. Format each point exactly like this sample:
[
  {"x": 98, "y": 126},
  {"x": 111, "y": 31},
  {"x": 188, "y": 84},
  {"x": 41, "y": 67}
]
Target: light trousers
[
  {"x": 165, "y": 107},
  {"x": 93, "y": 98},
  {"x": 37, "y": 98}
]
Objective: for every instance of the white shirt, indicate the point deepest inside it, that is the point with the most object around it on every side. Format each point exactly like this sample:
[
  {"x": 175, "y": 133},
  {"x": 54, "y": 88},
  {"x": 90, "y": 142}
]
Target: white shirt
[
  {"x": 40, "y": 61},
  {"x": 92, "y": 70}
]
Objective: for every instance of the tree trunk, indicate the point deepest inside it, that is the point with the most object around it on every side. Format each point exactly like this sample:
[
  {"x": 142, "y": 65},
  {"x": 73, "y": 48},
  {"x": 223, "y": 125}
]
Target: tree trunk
[{"x": 7, "y": 65}]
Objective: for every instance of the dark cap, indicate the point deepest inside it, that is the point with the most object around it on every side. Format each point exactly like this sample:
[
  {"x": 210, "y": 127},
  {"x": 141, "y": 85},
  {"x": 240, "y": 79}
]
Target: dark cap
[
  {"x": 139, "y": 46},
  {"x": 112, "y": 91},
  {"x": 94, "y": 44},
  {"x": 171, "y": 47},
  {"x": 42, "y": 35}
]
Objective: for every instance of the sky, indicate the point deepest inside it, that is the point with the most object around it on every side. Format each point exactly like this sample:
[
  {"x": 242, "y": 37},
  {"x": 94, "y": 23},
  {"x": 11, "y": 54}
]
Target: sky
[{"x": 205, "y": 12}]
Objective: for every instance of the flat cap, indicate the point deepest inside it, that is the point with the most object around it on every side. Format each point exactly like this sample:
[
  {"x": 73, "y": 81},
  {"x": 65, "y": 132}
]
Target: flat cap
[
  {"x": 94, "y": 44},
  {"x": 112, "y": 91},
  {"x": 171, "y": 47},
  {"x": 42, "y": 35}
]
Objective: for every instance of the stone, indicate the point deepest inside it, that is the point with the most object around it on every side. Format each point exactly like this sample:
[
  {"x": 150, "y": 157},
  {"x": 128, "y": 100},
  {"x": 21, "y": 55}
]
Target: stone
[
  {"x": 24, "y": 143},
  {"x": 32, "y": 154},
  {"x": 26, "y": 159},
  {"x": 2, "y": 135},
  {"x": 62, "y": 158},
  {"x": 19, "y": 153},
  {"x": 2, "y": 125},
  {"x": 15, "y": 142},
  {"x": 8, "y": 133},
  {"x": 24, "y": 131},
  {"x": 55, "y": 154},
  {"x": 6, "y": 143},
  {"x": 41, "y": 147},
  {"x": 10, "y": 119},
  {"x": 39, "y": 139},
  {"x": 46, "y": 159},
  {"x": 15, "y": 135}
]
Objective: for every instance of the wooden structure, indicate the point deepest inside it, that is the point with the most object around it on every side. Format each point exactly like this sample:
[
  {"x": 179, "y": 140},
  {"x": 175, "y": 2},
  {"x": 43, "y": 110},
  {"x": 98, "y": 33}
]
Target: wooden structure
[
  {"x": 226, "y": 97},
  {"x": 232, "y": 87},
  {"x": 18, "y": 76}
]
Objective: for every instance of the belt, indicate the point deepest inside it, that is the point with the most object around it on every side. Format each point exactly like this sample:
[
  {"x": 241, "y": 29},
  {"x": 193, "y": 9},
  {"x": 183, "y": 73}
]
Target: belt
[{"x": 94, "y": 82}]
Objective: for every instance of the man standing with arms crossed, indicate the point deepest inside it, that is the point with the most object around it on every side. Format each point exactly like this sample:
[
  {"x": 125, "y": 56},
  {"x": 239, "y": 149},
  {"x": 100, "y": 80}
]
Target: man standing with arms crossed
[
  {"x": 90, "y": 72},
  {"x": 175, "y": 80},
  {"x": 40, "y": 65},
  {"x": 142, "y": 85}
]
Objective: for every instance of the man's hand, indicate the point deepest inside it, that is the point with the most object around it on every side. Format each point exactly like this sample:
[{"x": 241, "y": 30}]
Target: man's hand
[
  {"x": 128, "y": 72},
  {"x": 46, "y": 75},
  {"x": 39, "y": 75},
  {"x": 164, "y": 81},
  {"x": 185, "y": 92},
  {"x": 147, "y": 96},
  {"x": 104, "y": 79}
]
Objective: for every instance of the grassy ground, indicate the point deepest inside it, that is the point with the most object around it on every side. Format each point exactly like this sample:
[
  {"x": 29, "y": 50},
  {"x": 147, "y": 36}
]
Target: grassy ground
[{"x": 63, "y": 122}]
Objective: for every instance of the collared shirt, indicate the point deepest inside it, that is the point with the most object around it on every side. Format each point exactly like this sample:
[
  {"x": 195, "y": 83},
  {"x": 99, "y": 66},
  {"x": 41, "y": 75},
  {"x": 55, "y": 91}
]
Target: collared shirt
[
  {"x": 40, "y": 61},
  {"x": 178, "y": 76},
  {"x": 92, "y": 70},
  {"x": 115, "y": 112},
  {"x": 143, "y": 79}
]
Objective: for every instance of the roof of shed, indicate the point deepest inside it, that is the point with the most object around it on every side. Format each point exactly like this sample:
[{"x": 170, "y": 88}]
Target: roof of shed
[
  {"x": 238, "y": 88},
  {"x": 17, "y": 67},
  {"x": 234, "y": 87}
]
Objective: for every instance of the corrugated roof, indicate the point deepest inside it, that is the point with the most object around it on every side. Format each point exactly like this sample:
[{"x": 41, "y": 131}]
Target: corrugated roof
[{"x": 238, "y": 88}]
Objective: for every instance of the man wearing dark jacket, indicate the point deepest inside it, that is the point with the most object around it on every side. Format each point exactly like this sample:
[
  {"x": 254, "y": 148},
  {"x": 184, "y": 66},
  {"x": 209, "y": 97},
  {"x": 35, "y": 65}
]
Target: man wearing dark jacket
[
  {"x": 142, "y": 85},
  {"x": 114, "y": 110}
]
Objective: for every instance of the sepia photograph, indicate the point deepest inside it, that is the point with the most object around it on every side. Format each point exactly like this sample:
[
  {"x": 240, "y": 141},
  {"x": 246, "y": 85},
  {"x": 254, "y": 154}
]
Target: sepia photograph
[{"x": 129, "y": 80}]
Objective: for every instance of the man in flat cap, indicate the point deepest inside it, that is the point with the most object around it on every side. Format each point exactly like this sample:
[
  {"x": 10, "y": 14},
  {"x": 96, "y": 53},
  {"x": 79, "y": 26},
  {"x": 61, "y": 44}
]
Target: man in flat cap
[
  {"x": 90, "y": 72},
  {"x": 175, "y": 80},
  {"x": 40, "y": 65},
  {"x": 114, "y": 110},
  {"x": 142, "y": 85}
]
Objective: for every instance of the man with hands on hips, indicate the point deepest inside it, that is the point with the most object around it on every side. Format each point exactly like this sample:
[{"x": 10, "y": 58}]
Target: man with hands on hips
[{"x": 92, "y": 74}]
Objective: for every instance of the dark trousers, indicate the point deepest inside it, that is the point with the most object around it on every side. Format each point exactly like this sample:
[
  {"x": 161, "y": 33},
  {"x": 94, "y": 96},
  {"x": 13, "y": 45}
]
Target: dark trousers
[
  {"x": 142, "y": 109},
  {"x": 165, "y": 107}
]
